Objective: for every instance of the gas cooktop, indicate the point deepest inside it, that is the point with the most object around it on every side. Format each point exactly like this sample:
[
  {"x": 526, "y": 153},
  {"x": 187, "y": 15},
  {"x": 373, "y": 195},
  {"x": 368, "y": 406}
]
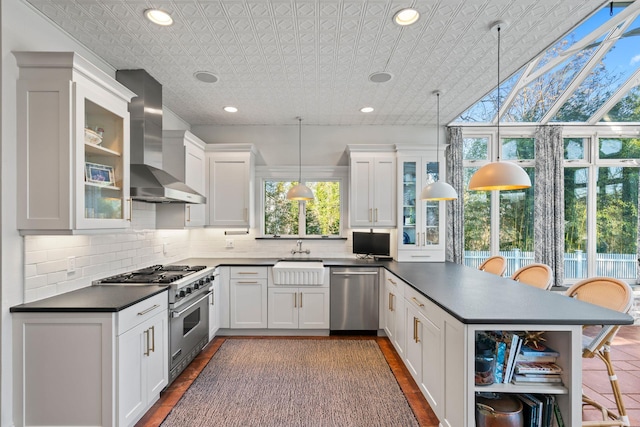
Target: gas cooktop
[{"x": 155, "y": 274}]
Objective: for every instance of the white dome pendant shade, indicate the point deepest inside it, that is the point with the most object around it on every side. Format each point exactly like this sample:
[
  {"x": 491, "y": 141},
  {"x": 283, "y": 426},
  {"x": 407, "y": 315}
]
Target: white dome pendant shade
[
  {"x": 300, "y": 191},
  {"x": 438, "y": 190},
  {"x": 499, "y": 175}
]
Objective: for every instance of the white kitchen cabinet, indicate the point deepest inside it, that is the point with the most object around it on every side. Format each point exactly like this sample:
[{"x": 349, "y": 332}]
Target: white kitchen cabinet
[
  {"x": 298, "y": 308},
  {"x": 90, "y": 368},
  {"x": 184, "y": 158},
  {"x": 248, "y": 299},
  {"x": 214, "y": 305},
  {"x": 73, "y": 146},
  {"x": 143, "y": 367},
  {"x": 230, "y": 185},
  {"x": 394, "y": 316},
  {"x": 372, "y": 191},
  {"x": 421, "y": 233},
  {"x": 425, "y": 348}
]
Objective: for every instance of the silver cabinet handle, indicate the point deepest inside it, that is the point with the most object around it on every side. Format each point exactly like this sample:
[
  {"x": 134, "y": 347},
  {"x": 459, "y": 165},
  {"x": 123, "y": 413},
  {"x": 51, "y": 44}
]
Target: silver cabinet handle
[
  {"x": 247, "y": 283},
  {"x": 142, "y": 313},
  {"x": 370, "y": 215},
  {"x": 146, "y": 350},
  {"x": 188, "y": 213},
  {"x": 295, "y": 300},
  {"x": 130, "y": 202},
  {"x": 300, "y": 299},
  {"x": 153, "y": 339},
  {"x": 375, "y": 218},
  {"x": 391, "y": 280}
]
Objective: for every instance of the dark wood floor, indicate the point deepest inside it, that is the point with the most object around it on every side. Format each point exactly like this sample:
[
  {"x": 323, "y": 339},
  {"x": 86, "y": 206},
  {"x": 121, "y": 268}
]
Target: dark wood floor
[
  {"x": 171, "y": 396},
  {"x": 625, "y": 353}
]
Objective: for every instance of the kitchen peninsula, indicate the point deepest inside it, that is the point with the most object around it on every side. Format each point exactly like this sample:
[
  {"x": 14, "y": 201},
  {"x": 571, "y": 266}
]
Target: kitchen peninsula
[{"x": 446, "y": 304}]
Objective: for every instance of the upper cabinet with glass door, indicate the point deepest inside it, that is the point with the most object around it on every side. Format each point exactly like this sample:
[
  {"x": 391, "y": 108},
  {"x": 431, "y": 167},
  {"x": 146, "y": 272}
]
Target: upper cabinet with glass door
[
  {"x": 73, "y": 139},
  {"x": 421, "y": 235}
]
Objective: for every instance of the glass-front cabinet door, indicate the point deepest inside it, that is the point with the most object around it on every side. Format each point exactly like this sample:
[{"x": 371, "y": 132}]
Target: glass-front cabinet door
[
  {"x": 102, "y": 142},
  {"x": 421, "y": 237}
]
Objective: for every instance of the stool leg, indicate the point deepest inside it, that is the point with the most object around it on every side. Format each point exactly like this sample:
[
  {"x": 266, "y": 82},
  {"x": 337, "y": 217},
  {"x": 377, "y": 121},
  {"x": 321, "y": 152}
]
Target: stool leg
[{"x": 605, "y": 355}]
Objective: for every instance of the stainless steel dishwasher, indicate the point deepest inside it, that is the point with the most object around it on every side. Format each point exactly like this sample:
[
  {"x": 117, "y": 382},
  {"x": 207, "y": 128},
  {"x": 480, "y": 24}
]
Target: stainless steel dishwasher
[{"x": 354, "y": 300}]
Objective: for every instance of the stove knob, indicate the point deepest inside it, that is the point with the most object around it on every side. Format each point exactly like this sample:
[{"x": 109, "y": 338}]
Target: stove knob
[
  {"x": 196, "y": 285},
  {"x": 182, "y": 294},
  {"x": 178, "y": 295},
  {"x": 189, "y": 290}
]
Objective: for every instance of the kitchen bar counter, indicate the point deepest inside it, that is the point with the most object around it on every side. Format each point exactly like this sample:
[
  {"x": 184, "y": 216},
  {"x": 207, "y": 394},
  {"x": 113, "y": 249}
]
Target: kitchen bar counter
[
  {"x": 101, "y": 298},
  {"x": 470, "y": 295}
]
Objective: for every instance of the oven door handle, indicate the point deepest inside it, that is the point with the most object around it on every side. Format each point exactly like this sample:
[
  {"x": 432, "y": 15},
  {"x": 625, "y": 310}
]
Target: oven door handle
[{"x": 175, "y": 314}]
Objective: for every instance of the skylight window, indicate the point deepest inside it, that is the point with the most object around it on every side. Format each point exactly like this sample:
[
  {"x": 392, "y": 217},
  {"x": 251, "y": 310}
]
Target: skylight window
[{"x": 594, "y": 67}]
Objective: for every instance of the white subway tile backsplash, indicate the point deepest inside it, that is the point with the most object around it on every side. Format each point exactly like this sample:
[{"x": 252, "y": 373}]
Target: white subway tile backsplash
[{"x": 99, "y": 256}]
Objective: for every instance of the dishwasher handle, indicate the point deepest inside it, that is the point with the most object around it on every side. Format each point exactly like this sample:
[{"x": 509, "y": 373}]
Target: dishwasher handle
[{"x": 355, "y": 273}]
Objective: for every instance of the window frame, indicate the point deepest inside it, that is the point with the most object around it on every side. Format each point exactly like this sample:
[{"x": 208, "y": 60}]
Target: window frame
[
  {"x": 591, "y": 134},
  {"x": 291, "y": 173}
]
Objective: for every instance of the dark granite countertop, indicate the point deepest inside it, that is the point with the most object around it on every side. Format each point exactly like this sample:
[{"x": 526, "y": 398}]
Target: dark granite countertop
[
  {"x": 470, "y": 295},
  {"x": 100, "y": 298}
]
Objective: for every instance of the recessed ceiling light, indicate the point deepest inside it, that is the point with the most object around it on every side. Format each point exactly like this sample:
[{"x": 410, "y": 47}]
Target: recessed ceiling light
[
  {"x": 205, "y": 76},
  {"x": 159, "y": 17},
  {"x": 380, "y": 77},
  {"x": 366, "y": 109},
  {"x": 406, "y": 16},
  {"x": 230, "y": 109}
]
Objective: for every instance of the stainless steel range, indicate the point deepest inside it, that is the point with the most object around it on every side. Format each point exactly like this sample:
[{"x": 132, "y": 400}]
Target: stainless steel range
[{"x": 189, "y": 290}]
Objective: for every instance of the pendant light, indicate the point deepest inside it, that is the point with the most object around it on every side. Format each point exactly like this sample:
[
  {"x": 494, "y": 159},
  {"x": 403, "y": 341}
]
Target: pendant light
[
  {"x": 499, "y": 175},
  {"x": 438, "y": 190},
  {"x": 300, "y": 191}
]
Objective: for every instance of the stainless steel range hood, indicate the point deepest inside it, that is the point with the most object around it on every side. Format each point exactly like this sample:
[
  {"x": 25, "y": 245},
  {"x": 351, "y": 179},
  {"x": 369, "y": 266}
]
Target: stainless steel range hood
[{"x": 149, "y": 182}]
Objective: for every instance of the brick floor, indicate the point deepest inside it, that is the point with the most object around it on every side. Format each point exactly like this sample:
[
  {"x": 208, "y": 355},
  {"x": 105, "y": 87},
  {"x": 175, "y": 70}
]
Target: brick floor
[{"x": 625, "y": 354}]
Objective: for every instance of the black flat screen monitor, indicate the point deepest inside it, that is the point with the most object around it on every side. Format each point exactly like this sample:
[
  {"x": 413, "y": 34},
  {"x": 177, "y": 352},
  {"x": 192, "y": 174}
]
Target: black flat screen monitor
[{"x": 371, "y": 243}]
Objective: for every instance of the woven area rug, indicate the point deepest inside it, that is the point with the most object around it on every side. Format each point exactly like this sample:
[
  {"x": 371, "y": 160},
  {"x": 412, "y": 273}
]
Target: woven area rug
[{"x": 289, "y": 382}]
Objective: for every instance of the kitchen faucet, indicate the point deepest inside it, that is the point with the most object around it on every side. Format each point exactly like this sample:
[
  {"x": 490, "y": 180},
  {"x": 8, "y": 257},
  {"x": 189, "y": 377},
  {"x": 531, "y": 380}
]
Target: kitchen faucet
[{"x": 300, "y": 250}]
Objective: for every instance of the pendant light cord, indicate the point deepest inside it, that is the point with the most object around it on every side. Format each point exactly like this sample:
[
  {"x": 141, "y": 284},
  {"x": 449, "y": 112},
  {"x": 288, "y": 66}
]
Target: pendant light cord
[
  {"x": 299, "y": 150},
  {"x": 438, "y": 132},
  {"x": 498, "y": 114}
]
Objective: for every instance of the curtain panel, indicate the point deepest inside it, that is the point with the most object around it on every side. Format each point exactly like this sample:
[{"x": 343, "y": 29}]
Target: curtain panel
[
  {"x": 455, "y": 208},
  {"x": 549, "y": 200}
]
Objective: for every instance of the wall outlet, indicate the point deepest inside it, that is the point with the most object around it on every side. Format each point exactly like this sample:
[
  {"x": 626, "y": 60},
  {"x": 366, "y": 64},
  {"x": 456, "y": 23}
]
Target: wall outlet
[
  {"x": 71, "y": 264},
  {"x": 165, "y": 248},
  {"x": 229, "y": 243}
]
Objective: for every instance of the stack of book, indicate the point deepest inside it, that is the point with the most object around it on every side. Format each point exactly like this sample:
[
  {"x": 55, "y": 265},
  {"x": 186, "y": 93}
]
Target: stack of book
[
  {"x": 537, "y": 366},
  {"x": 541, "y": 410}
]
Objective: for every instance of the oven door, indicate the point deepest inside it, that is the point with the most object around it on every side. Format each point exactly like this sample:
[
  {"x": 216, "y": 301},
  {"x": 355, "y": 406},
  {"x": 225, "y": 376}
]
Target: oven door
[{"x": 189, "y": 330}]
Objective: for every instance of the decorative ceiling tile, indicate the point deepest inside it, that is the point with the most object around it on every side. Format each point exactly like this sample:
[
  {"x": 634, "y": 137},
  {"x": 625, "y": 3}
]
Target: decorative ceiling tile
[{"x": 281, "y": 58}]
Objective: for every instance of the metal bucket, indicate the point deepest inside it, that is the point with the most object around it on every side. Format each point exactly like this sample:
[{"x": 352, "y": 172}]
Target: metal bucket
[{"x": 499, "y": 410}]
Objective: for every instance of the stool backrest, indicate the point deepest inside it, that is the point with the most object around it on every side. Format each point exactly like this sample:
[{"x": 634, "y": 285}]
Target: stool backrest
[
  {"x": 538, "y": 275},
  {"x": 606, "y": 292},
  {"x": 495, "y": 265}
]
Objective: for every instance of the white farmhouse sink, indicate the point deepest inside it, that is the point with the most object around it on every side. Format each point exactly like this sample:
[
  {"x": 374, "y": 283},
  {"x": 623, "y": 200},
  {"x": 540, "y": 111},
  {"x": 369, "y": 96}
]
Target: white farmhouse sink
[{"x": 298, "y": 273}]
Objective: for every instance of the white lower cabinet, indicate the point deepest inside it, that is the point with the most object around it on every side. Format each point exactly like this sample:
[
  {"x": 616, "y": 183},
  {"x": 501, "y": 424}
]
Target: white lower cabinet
[
  {"x": 298, "y": 308},
  {"x": 143, "y": 367},
  {"x": 394, "y": 316},
  {"x": 248, "y": 297},
  {"x": 425, "y": 348},
  {"x": 214, "y": 306},
  {"x": 90, "y": 369}
]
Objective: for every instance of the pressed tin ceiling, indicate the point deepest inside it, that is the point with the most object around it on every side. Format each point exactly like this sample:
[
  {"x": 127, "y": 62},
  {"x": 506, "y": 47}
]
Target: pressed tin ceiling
[{"x": 278, "y": 59}]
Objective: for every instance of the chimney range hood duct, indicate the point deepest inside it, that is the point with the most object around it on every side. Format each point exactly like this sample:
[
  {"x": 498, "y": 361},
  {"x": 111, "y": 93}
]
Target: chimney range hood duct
[{"x": 149, "y": 183}]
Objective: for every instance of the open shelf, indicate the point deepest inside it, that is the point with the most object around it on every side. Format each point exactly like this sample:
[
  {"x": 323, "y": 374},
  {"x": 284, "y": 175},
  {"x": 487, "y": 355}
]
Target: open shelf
[{"x": 100, "y": 151}]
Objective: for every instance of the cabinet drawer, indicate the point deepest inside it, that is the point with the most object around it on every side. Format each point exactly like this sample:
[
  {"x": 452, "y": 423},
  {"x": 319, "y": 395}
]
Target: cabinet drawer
[
  {"x": 138, "y": 313},
  {"x": 248, "y": 272},
  {"x": 396, "y": 284},
  {"x": 420, "y": 302}
]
